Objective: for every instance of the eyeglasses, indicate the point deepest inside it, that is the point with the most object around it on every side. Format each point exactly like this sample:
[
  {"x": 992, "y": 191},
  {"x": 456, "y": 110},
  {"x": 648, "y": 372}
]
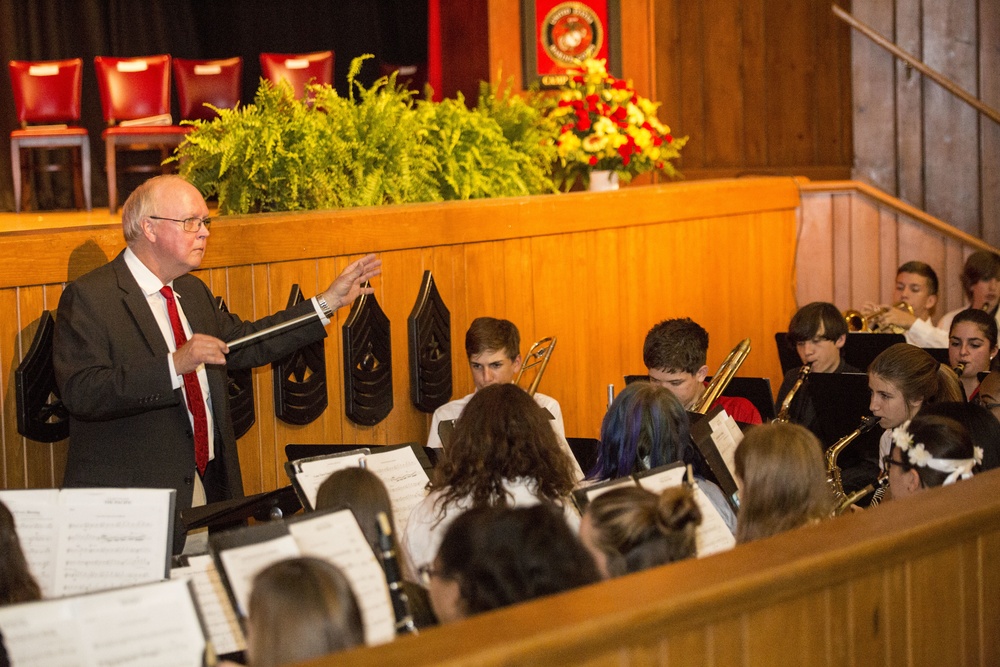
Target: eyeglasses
[
  {"x": 887, "y": 461},
  {"x": 189, "y": 224}
]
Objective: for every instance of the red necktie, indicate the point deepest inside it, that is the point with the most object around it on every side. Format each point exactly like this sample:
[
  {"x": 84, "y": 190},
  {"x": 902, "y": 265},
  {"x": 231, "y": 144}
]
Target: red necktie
[{"x": 192, "y": 388}]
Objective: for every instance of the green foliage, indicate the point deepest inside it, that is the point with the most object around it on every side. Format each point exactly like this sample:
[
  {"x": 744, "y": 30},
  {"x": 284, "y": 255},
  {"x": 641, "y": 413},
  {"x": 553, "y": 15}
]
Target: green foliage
[{"x": 525, "y": 128}]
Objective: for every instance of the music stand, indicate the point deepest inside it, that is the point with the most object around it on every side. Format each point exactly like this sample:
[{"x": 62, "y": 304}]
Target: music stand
[
  {"x": 294, "y": 452},
  {"x": 940, "y": 355},
  {"x": 584, "y": 451},
  {"x": 232, "y": 513},
  {"x": 862, "y": 348},
  {"x": 787, "y": 354},
  {"x": 755, "y": 390},
  {"x": 841, "y": 399}
]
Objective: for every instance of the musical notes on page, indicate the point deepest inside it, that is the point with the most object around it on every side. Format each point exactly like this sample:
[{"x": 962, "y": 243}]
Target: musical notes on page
[
  {"x": 216, "y": 610},
  {"x": 35, "y": 519},
  {"x": 336, "y": 537},
  {"x": 404, "y": 478},
  {"x": 713, "y": 535},
  {"x": 153, "y": 625},
  {"x": 311, "y": 473},
  {"x": 244, "y": 563}
]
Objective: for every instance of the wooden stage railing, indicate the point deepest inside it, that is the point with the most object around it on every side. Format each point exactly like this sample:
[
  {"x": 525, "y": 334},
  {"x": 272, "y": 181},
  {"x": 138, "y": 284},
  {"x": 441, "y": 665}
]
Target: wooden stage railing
[
  {"x": 912, "y": 583},
  {"x": 596, "y": 270}
]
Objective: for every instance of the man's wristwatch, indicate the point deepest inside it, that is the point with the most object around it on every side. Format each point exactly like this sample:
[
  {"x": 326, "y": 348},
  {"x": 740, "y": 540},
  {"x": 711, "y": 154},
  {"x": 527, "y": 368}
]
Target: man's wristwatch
[{"x": 324, "y": 306}]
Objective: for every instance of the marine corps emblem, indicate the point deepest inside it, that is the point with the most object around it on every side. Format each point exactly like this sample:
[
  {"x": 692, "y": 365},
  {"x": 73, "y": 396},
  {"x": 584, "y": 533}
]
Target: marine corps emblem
[{"x": 570, "y": 32}]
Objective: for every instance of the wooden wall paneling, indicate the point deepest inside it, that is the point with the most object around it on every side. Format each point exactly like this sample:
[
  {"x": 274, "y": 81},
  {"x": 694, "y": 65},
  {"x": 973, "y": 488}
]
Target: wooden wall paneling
[
  {"x": 448, "y": 265},
  {"x": 727, "y": 641},
  {"x": 257, "y": 446},
  {"x": 688, "y": 648},
  {"x": 843, "y": 245},
  {"x": 465, "y": 46},
  {"x": 519, "y": 291},
  {"x": 891, "y": 256},
  {"x": 872, "y": 77},
  {"x": 58, "y": 449},
  {"x": 637, "y": 44},
  {"x": 989, "y": 92},
  {"x": 814, "y": 249},
  {"x": 690, "y": 15},
  {"x": 972, "y": 582},
  {"x": 932, "y": 578},
  {"x": 909, "y": 105},
  {"x": 397, "y": 290},
  {"x": 755, "y": 89},
  {"x": 866, "y": 610},
  {"x": 639, "y": 262},
  {"x": 504, "y": 39},
  {"x": 790, "y": 65},
  {"x": 777, "y": 634},
  {"x": 989, "y": 599},
  {"x": 867, "y": 278},
  {"x": 951, "y": 168},
  {"x": 724, "y": 113},
  {"x": 37, "y": 455},
  {"x": 916, "y": 242},
  {"x": 831, "y": 89},
  {"x": 15, "y": 475},
  {"x": 840, "y": 648},
  {"x": 950, "y": 285},
  {"x": 484, "y": 281},
  {"x": 666, "y": 66}
]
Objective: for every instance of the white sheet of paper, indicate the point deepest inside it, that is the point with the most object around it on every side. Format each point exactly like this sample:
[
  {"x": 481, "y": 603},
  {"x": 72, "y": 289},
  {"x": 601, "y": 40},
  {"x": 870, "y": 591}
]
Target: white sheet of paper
[
  {"x": 404, "y": 478},
  {"x": 312, "y": 474},
  {"x": 216, "y": 610},
  {"x": 154, "y": 625},
  {"x": 35, "y": 519},
  {"x": 336, "y": 538},
  {"x": 111, "y": 538},
  {"x": 244, "y": 563},
  {"x": 726, "y": 435},
  {"x": 713, "y": 535}
]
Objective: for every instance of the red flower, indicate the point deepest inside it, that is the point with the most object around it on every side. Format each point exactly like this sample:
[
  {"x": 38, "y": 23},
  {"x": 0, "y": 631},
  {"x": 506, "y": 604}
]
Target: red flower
[
  {"x": 657, "y": 141},
  {"x": 621, "y": 113},
  {"x": 564, "y": 103},
  {"x": 583, "y": 125},
  {"x": 592, "y": 160},
  {"x": 618, "y": 84},
  {"x": 659, "y": 165},
  {"x": 669, "y": 138},
  {"x": 578, "y": 78}
]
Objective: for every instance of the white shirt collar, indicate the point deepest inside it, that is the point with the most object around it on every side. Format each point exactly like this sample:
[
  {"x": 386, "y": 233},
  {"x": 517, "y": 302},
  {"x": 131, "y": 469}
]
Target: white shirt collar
[{"x": 148, "y": 282}]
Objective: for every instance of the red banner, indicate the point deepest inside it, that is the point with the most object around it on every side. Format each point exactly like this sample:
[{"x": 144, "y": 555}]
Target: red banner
[{"x": 566, "y": 32}]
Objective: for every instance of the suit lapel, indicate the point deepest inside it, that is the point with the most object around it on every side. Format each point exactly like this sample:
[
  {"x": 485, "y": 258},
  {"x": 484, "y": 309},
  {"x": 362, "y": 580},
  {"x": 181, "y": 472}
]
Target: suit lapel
[{"x": 137, "y": 305}]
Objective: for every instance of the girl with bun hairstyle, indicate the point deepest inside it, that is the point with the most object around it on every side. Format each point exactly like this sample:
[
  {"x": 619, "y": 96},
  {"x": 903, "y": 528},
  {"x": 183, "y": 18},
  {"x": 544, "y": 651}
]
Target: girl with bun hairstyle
[{"x": 631, "y": 529}]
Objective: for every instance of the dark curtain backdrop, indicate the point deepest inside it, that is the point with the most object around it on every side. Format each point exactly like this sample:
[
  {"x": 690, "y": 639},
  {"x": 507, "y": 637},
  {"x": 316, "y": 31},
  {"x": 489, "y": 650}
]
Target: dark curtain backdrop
[{"x": 395, "y": 31}]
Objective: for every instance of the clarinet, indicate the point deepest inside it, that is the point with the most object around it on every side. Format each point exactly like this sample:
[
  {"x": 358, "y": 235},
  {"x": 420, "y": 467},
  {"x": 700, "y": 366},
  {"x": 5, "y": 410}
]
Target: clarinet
[{"x": 394, "y": 577}]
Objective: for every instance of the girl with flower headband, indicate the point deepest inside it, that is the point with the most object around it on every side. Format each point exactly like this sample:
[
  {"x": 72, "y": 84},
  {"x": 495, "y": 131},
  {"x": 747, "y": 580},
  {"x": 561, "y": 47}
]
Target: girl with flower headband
[
  {"x": 929, "y": 451},
  {"x": 902, "y": 379}
]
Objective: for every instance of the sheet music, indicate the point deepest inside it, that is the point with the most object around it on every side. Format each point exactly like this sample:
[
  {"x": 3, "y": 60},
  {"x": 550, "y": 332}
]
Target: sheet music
[
  {"x": 726, "y": 435},
  {"x": 216, "y": 609},
  {"x": 35, "y": 516},
  {"x": 154, "y": 625},
  {"x": 404, "y": 478},
  {"x": 336, "y": 537},
  {"x": 713, "y": 535},
  {"x": 111, "y": 538},
  {"x": 242, "y": 564},
  {"x": 311, "y": 474}
]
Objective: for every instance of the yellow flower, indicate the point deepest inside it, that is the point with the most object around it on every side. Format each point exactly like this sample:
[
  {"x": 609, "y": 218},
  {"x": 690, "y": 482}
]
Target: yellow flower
[
  {"x": 568, "y": 143},
  {"x": 603, "y": 126},
  {"x": 595, "y": 143}
]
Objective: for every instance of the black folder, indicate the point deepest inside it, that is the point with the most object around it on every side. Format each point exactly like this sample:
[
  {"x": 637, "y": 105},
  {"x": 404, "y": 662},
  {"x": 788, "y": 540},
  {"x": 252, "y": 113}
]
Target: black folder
[{"x": 755, "y": 390}]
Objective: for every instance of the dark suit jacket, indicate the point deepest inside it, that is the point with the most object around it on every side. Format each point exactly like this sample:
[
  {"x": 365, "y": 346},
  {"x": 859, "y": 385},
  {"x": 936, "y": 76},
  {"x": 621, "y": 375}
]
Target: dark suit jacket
[{"x": 128, "y": 426}]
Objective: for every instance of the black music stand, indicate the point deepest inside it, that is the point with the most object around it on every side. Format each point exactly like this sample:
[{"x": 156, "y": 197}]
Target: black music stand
[
  {"x": 841, "y": 400},
  {"x": 940, "y": 354},
  {"x": 787, "y": 354},
  {"x": 584, "y": 451},
  {"x": 755, "y": 390},
  {"x": 862, "y": 348},
  {"x": 294, "y": 452},
  {"x": 233, "y": 513}
]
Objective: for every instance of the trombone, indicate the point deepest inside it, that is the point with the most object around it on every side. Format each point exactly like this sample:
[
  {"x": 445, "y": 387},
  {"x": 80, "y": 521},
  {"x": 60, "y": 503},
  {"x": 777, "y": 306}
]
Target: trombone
[
  {"x": 726, "y": 372},
  {"x": 537, "y": 358},
  {"x": 858, "y": 322}
]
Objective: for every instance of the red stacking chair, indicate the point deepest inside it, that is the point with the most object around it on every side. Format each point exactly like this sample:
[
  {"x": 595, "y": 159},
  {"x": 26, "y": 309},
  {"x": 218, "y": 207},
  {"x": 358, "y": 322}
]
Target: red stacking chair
[
  {"x": 217, "y": 82},
  {"x": 298, "y": 69},
  {"x": 135, "y": 97},
  {"x": 48, "y": 92}
]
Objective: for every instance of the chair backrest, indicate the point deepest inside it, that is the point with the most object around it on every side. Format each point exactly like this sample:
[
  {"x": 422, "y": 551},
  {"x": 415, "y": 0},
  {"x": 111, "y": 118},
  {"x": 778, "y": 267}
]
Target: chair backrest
[
  {"x": 298, "y": 69},
  {"x": 47, "y": 91},
  {"x": 217, "y": 82},
  {"x": 133, "y": 87}
]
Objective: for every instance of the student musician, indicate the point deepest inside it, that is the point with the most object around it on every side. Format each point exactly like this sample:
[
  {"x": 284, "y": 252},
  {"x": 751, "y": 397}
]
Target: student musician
[
  {"x": 972, "y": 344},
  {"x": 819, "y": 332},
  {"x": 675, "y": 352},
  {"x": 493, "y": 347},
  {"x": 929, "y": 451},
  {"x": 916, "y": 285},
  {"x": 902, "y": 379},
  {"x": 981, "y": 282}
]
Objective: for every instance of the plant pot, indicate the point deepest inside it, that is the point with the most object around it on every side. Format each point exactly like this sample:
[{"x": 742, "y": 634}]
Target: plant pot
[{"x": 603, "y": 180}]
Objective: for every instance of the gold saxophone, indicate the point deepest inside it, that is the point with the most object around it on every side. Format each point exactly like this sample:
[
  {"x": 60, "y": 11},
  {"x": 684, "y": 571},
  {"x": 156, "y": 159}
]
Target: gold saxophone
[
  {"x": 786, "y": 404},
  {"x": 842, "y": 500}
]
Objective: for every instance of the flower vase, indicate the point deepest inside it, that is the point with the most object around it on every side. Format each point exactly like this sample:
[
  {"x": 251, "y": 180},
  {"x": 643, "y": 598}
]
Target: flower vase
[{"x": 603, "y": 180}]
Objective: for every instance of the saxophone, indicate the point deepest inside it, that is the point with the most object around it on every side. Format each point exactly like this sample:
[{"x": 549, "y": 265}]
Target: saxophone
[
  {"x": 842, "y": 500},
  {"x": 783, "y": 413}
]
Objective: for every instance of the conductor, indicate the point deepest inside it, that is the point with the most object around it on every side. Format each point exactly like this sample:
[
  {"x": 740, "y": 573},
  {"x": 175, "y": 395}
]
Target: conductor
[{"x": 140, "y": 355}]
